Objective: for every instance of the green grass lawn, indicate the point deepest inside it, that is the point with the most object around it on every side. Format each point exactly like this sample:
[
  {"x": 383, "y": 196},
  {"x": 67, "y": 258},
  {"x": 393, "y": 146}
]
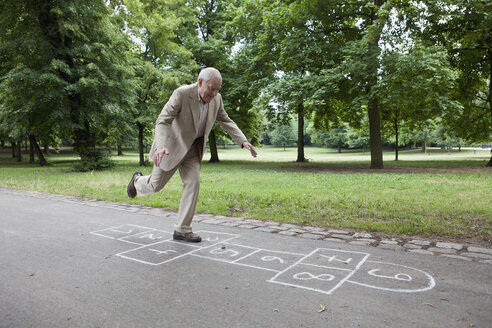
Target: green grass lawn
[{"x": 435, "y": 194}]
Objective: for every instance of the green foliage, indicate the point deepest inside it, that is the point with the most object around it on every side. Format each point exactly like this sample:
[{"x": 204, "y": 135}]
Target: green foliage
[
  {"x": 283, "y": 136},
  {"x": 65, "y": 71},
  {"x": 464, "y": 29}
]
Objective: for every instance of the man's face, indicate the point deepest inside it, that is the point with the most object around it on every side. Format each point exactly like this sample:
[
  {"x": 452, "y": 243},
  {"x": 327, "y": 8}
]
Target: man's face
[{"x": 208, "y": 90}]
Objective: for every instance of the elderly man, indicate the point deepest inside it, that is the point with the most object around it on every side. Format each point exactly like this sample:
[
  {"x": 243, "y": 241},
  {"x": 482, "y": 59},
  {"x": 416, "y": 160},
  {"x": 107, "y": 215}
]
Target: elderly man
[{"x": 179, "y": 142}]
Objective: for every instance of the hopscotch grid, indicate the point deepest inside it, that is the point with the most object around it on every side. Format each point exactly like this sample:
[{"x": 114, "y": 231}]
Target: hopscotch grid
[
  {"x": 291, "y": 266},
  {"x": 267, "y": 250},
  {"x": 247, "y": 255},
  {"x": 350, "y": 274},
  {"x": 431, "y": 281},
  {"x": 174, "y": 258},
  {"x": 256, "y": 267},
  {"x": 105, "y": 236},
  {"x": 325, "y": 267},
  {"x": 144, "y": 246},
  {"x": 146, "y": 230},
  {"x": 141, "y": 233},
  {"x": 303, "y": 287}
]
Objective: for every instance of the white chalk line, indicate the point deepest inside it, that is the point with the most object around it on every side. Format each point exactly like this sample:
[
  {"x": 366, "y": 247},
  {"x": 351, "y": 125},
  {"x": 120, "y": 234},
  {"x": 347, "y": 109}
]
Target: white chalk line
[
  {"x": 257, "y": 250},
  {"x": 198, "y": 248},
  {"x": 350, "y": 274},
  {"x": 146, "y": 229},
  {"x": 432, "y": 282}
]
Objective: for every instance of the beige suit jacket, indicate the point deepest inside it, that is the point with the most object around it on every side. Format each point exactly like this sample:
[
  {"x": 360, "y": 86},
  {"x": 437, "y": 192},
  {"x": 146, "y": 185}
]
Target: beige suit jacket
[{"x": 177, "y": 125}]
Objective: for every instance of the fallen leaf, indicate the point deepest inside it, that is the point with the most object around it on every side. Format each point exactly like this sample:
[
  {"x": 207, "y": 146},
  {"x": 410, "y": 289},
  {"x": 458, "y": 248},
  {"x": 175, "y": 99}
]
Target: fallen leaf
[
  {"x": 69, "y": 317},
  {"x": 344, "y": 306},
  {"x": 444, "y": 299},
  {"x": 429, "y": 304},
  {"x": 31, "y": 275},
  {"x": 323, "y": 308},
  {"x": 276, "y": 310}
]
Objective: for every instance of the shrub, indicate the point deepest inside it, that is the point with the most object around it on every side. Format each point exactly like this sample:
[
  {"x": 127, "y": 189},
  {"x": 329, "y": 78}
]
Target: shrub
[{"x": 94, "y": 160}]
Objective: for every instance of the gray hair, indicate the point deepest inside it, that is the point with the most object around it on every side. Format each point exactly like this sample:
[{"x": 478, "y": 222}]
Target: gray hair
[{"x": 207, "y": 73}]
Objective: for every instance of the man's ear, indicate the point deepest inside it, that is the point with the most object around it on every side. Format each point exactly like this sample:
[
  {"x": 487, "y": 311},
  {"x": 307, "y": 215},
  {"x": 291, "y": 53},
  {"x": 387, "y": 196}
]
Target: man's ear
[{"x": 200, "y": 81}]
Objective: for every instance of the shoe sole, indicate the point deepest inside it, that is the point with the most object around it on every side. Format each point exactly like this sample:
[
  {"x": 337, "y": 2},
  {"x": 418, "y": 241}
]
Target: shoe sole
[{"x": 131, "y": 191}]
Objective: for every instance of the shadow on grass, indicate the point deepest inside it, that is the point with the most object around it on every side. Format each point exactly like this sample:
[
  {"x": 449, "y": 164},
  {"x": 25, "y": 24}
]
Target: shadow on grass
[{"x": 400, "y": 167}]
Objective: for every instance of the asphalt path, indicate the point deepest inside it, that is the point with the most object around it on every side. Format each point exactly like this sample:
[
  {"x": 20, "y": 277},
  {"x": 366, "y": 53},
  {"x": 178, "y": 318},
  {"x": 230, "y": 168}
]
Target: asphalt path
[{"x": 72, "y": 265}]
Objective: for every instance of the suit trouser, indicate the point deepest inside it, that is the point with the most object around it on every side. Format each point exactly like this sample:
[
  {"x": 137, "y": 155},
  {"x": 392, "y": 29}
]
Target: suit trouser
[{"x": 189, "y": 171}]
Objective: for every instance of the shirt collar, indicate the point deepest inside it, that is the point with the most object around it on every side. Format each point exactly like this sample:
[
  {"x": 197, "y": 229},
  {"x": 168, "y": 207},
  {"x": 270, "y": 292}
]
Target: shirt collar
[{"x": 200, "y": 101}]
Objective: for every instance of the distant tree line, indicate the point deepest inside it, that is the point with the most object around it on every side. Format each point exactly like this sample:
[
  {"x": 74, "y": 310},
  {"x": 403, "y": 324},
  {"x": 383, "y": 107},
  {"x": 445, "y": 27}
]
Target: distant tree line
[{"x": 96, "y": 73}]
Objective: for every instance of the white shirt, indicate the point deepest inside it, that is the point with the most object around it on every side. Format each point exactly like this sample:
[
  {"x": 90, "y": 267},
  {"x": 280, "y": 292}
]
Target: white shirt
[{"x": 203, "y": 107}]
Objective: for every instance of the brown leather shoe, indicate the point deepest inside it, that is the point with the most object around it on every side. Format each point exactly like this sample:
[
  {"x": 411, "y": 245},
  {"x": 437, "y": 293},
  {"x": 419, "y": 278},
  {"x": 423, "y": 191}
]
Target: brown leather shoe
[
  {"x": 187, "y": 236},
  {"x": 130, "y": 190}
]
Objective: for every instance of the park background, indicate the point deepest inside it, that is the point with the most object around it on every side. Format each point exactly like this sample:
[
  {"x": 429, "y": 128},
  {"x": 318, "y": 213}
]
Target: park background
[{"x": 367, "y": 115}]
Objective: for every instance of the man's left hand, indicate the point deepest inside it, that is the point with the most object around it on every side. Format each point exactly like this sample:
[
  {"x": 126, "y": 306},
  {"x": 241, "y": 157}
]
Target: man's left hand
[{"x": 250, "y": 147}]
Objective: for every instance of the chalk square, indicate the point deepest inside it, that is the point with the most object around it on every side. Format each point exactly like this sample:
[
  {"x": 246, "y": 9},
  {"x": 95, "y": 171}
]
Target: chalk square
[
  {"x": 147, "y": 237},
  {"x": 121, "y": 231},
  {"x": 210, "y": 238},
  {"x": 335, "y": 258},
  {"x": 315, "y": 278},
  {"x": 270, "y": 260},
  {"x": 225, "y": 252},
  {"x": 159, "y": 253}
]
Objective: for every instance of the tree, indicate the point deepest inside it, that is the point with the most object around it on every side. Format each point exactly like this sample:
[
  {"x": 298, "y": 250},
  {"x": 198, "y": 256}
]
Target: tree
[
  {"x": 287, "y": 35},
  {"x": 336, "y": 137},
  {"x": 416, "y": 85},
  {"x": 283, "y": 136},
  {"x": 159, "y": 61},
  {"x": 66, "y": 68},
  {"x": 464, "y": 28}
]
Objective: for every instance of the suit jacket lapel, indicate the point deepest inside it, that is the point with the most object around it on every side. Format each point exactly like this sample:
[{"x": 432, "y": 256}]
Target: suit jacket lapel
[
  {"x": 195, "y": 109},
  {"x": 210, "y": 115}
]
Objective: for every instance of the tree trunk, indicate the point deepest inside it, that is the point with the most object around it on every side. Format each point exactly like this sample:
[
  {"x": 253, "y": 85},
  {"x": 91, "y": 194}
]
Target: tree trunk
[
  {"x": 300, "y": 133},
  {"x": 120, "y": 150},
  {"x": 141, "y": 144},
  {"x": 375, "y": 135},
  {"x": 3, "y": 144},
  {"x": 31, "y": 151},
  {"x": 490, "y": 160},
  {"x": 339, "y": 146},
  {"x": 214, "y": 156},
  {"x": 18, "y": 151},
  {"x": 14, "y": 147},
  {"x": 46, "y": 149},
  {"x": 39, "y": 153},
  {"x": 396, "y": 137}
]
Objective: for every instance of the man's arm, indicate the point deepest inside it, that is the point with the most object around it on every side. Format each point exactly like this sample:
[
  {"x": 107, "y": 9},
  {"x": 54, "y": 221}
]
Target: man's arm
[{"x": 232, "y": 129}]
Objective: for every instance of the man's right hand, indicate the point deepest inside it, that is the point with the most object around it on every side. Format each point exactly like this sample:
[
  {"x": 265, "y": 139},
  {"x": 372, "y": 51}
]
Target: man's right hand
[{"x": 159, "y": 153}]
